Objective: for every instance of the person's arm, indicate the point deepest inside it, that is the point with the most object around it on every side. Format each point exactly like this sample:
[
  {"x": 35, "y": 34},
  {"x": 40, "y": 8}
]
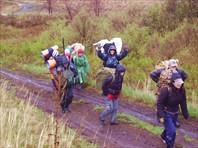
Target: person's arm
[
  {"x": 183, "y": 106},
  {"x": 101, "y": 55},
  {"x": 183, "y": 74},
  {"x": 161, "y": 102},
  {"x": 122, "y": 55},
  {"x": 155, "y": 75},
  {"x": 105, "y": 84}
]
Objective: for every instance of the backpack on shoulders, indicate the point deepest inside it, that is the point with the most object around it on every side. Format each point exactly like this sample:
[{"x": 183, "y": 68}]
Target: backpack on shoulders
[
  {"x": 165, "y": 76},
  {"x": 102, "y": 74}
]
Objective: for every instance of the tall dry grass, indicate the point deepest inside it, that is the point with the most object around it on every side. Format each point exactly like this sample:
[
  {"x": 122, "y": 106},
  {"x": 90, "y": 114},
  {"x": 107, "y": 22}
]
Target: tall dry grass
[{"x": 24, "y": 125}]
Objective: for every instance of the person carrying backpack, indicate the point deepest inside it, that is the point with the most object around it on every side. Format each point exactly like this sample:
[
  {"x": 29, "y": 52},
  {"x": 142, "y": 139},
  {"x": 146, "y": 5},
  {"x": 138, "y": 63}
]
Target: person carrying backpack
[
  {"x": 168, "y": 108},
  {"x": 111, "y": 58},
  {"x": 68, "y": 73},
  {"x": 173, "y": 66},
  {"x": 163, "y": 76},
  {"x": 111, "y": 92}
]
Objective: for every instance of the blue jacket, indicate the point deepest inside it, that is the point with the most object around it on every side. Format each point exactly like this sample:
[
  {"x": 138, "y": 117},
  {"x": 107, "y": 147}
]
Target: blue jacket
[{"x": 112, "y": 61}]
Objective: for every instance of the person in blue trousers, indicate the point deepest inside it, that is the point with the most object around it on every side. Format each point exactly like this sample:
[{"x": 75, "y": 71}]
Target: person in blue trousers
[
  {"x": 112, "y": 91},
  {"x": 168, "y": 108}
]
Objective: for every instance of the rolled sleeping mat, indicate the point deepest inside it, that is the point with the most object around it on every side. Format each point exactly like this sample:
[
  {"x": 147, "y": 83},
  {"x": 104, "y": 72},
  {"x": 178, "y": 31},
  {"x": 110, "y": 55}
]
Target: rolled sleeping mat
[
  {"x": 50, "y": 50},
  {"x": 56, "y": 61},
  {"x": 51, "y": 63}
]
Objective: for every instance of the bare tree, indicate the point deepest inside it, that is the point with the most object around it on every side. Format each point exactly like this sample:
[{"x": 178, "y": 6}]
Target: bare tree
[
  {"x": 97, "y": 6},
  {"x": 73, "y": 7},
  {"x": 68, "y": 8},
  {"x": 48, "y": 4}
]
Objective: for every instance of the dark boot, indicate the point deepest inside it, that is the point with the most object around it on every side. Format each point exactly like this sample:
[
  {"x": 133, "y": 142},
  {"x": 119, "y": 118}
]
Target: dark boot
[
  {"x": 102, "y": 122},
  {"x": 114, "y": 123}
]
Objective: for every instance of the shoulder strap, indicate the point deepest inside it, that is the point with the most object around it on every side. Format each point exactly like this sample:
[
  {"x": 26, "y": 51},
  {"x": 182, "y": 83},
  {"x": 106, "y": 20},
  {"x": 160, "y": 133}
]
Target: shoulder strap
[
  {"x": 113, "y": 75},
  {"x": 169, "y": 90}
]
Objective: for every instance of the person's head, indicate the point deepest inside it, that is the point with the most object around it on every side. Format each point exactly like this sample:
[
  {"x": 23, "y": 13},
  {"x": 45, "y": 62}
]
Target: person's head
[
  {"x": 80, "y": 52},
  {"x": 112, "y": 49},
  {"x": 67, "y": 52},
  {"x": 177, "y": 81},
  {"x": 120, "y": 70},
  {"x": 65, "y": 62},
  {"x": 172, "y": 64}
]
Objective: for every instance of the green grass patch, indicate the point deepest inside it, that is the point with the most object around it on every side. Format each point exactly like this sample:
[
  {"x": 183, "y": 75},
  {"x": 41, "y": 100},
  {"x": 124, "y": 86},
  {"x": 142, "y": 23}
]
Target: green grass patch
[
  {"x": 24, "y": 125},
  {"x": 133, "y": 121},
  {"x": 81, "y": 101},
  {"x": 187, "y": 138},
  {"x": 97, "y": 108}
]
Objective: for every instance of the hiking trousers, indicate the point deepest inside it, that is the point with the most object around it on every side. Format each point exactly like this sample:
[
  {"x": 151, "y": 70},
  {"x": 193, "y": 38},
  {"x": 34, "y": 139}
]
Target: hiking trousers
[
  {"x": 169, "y": 133},
  {"x": 67, "y": 98},
  {"x": 111, "y": 109}
]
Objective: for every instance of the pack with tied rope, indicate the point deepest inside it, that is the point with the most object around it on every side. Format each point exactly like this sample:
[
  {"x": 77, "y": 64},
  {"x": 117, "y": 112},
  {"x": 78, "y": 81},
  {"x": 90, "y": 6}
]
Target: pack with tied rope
[
  {"x": 102, "y": 74},
  {"x": 165, "y": 75}
]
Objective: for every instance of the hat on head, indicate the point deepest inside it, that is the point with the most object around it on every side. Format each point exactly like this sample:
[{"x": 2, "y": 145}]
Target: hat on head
[
  {"x": 179, "y": 81},
  {"x": 172, "y": 63},
  {"x": 176, "y": 77},
  {"x": 80, "y": 51},
  {"x": 112, "y": 47},
  {"x": 67, "y": 52}
]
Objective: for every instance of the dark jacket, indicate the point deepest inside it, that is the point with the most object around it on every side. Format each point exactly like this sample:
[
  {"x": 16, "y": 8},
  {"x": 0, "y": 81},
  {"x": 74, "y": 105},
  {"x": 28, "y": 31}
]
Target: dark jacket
[
  {"x": 170, "y": 99},
  {"x": 156, "y": 74},
  {"x": 116, "y": 86},
  {"x": 112, "y": 61},
  {"x": 68, "y": 72}
]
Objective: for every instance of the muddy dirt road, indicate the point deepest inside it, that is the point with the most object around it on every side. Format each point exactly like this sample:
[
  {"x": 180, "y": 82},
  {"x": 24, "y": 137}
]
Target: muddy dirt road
[{"x": 86, "y": 121}]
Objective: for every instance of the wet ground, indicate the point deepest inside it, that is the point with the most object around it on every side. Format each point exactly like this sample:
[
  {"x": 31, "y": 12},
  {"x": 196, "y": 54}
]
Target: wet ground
[{"x": 86, "y": 121}]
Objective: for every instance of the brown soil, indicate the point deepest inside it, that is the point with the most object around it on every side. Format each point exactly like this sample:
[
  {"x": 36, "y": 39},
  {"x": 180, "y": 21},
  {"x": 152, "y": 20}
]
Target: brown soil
[{"x": 85, "y": 120}]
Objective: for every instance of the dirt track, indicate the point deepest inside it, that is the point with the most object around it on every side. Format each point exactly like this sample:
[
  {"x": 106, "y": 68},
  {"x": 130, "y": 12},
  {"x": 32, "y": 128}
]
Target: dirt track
[{"x": 85, "y": 119}]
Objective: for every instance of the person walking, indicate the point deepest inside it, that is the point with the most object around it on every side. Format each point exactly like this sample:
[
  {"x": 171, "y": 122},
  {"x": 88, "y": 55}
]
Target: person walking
[
  {"x": 162, "y": 77},
  {"x": 68, "y": 73},
  {"x": 168, "y": 108},
  {"x": 112, "y": 87}
]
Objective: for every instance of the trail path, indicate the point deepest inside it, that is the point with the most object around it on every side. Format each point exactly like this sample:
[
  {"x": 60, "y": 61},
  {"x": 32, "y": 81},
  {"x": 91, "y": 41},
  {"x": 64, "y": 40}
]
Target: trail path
[{"x": 86, "y": 121}]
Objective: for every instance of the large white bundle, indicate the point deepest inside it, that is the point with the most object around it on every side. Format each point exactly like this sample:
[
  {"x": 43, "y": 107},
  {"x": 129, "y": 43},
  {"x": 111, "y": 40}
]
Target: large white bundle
[{"x": 116, "y": 41}]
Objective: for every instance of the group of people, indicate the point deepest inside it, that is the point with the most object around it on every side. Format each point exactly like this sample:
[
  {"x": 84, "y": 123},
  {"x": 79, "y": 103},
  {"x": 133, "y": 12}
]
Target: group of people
[
  {"x": 72, "y": 66},
  {"x": 170, "y": 93}
]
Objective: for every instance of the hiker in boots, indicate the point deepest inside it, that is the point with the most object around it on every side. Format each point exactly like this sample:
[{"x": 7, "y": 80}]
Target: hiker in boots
[
  {"x": 111, "y": 58},
  {"x": 111, "y": 88},
  {"x": 162, "y": 77},
  {"x": 68, "y": 73},
  {"x": 168, "y": 108}
]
